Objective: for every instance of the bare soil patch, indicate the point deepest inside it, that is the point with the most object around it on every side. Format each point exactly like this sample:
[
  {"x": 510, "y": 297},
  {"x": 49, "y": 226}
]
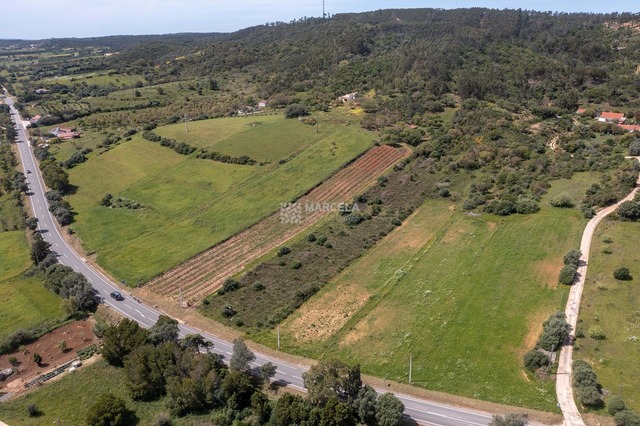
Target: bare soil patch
[
  {"x": 76, "y": 335},
  {"x": 321, "y": 318},
  {"x": 547, "y": 271},
  {"x": 371, "y": 325}
]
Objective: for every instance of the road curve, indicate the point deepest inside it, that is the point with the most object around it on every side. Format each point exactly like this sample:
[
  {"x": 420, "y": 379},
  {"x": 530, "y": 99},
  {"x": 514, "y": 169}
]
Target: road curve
[
  {"x": 564, "y": 388},
  {"x": 420, "y": 410}
]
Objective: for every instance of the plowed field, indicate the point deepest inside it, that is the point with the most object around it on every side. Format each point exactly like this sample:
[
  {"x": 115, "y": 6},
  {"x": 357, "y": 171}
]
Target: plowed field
[{"x": 204, "y": 273}]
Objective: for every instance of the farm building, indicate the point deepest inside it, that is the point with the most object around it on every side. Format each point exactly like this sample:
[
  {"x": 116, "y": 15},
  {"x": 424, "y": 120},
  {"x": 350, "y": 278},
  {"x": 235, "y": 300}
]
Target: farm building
[
  {"x": 348, "y": 97},
  {"x": 630, "y": 127},
  {"x": 611, "y": 117}
]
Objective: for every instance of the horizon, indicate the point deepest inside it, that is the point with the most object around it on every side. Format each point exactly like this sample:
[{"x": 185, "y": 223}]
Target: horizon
[{"x": 104, "y": 18}]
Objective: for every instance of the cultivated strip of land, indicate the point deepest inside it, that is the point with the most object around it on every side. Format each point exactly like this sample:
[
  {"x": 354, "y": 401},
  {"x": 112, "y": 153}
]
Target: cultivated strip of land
[{"x": 205, "y": 272}]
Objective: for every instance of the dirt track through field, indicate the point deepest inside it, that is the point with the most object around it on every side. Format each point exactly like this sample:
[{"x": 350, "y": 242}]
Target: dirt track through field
[{"x": 204, "y": 273}]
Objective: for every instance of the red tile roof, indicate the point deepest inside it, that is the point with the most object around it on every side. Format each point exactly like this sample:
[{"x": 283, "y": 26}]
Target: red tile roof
[
  {"x": 630, "y": 127},
  {"x": 612, "y": 115}
]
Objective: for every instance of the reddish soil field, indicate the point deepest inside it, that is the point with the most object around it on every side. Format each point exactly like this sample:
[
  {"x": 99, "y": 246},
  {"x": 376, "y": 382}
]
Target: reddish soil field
[
  {"x": 204, "y": 273},
  {"x": 77, "y": 335}
]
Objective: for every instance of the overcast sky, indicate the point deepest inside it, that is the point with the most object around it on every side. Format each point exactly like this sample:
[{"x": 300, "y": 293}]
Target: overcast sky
[{"x": 37, "y": 19}]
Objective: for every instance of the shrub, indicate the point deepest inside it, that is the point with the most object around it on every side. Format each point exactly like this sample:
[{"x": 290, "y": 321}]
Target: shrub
[
  {"x": 108, "y": 410},
  {"x": 629, "y": 211},
  {"x": 296, "y": 265},
  {"x": 353, "y": 219},
  {"x": 228, "y": 311},
  {"x": 527, "y": 207},
  {"x": 588, "y": 212},
  {"x": 535, "y": 359},
  {"x": 597, "y": 333},
  {"x": 554, "y": 330},
  {"x": 572, "y": 257},
  {"x": 230, "y": 285},
  {"x": 511, "y": 419},
  {"x": 33, "y": 410},
  {"x": 562, "y": 201},
  {"x": 615, "y": 404},
  {"x": 283, "y": 251},
  {"x": 501, "y": 207},
  {"x": 396, "y": 222},
  {"x": 162, "y": 419},
  {"x": 311, "y": 238},
  {"x": 622, "y": 274},
  {"x": 13, "y": 361},
  {"x": 37, "y": 358},
  {"x": 627, "y": 418},
  {"x": 586, "y": 383},
  {"x": 567, "y": 274},
  {"x": 296, "y": 110},
  {"x": 634, "y": 148},
  {"x": 444, "y": 193},
  {"x": 258, "y": 286}
]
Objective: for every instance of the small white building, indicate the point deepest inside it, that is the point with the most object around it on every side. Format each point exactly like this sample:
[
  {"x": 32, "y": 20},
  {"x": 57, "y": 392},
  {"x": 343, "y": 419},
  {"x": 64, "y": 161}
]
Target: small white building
[{"x": 348, "y": 97}]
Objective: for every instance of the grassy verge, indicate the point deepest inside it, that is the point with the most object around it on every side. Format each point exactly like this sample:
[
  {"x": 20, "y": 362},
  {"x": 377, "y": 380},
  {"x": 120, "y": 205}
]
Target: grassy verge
[
  {"x": 612, "y": 306},
  {"x": 24, "y": 302}
]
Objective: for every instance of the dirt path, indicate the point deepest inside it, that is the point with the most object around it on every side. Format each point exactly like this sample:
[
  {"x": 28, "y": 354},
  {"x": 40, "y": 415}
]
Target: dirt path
[{"x": 564, "y": 389}]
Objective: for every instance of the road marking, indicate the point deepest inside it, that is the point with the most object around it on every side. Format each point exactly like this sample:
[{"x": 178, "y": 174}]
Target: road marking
[
  {"x": 128, "y": 307},
  {"x": 141, "y": 314}
]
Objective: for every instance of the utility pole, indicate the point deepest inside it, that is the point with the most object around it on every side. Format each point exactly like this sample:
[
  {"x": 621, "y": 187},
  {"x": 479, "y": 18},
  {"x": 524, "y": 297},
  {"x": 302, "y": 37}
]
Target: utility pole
[
  {"x": 278, "y": 337},
  {"x": 181, "y": 301},
  {"x": 410, "y": 366},
  {"x": 186, "y": 124},
  {"x": 58, "y": 421},
  {"x": 324, "y": 15}
]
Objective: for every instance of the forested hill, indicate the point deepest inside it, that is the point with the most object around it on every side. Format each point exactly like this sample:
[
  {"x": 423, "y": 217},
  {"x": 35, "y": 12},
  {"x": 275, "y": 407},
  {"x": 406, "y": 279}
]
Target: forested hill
[
  {"x": 410, "y": 61},
  {"x": 512, "y": 55}
]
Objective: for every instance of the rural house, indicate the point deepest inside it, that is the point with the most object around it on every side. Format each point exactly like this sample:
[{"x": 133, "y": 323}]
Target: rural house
[{"x": 611, "y": 117}]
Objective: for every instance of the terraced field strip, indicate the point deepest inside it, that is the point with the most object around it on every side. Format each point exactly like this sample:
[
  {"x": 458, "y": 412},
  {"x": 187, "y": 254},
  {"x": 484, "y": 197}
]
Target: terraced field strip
[{"x": 204, "y": 273}]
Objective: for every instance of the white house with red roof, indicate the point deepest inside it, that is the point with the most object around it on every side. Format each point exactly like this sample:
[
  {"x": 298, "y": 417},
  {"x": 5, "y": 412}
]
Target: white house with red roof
[{"x": 611, "y": 117}]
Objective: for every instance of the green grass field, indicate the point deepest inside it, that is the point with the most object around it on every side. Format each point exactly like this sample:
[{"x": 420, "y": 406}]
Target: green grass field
[
  {"x": 11, "y": 215},
  {"x": 263, "y": 138},
  {"x": 24, "y": 302},
  {"x": 190, "y": 204},
  {"x": 465, "y": 296},
  {"x": 70, "y": 397},
  {"x": 614, "y": 307},
  {"x": 98, "y": 79}
]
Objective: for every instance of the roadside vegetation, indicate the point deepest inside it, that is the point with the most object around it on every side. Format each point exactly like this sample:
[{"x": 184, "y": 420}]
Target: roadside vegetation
[
  {"x": 152, "y": 377},
  {"x": 609, "y": 324}
]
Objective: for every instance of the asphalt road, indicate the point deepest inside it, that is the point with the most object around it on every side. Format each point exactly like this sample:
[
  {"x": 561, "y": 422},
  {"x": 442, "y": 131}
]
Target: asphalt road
[
  {"x": 564, "y": 389},
  {"x": 422, "y": 411}
]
